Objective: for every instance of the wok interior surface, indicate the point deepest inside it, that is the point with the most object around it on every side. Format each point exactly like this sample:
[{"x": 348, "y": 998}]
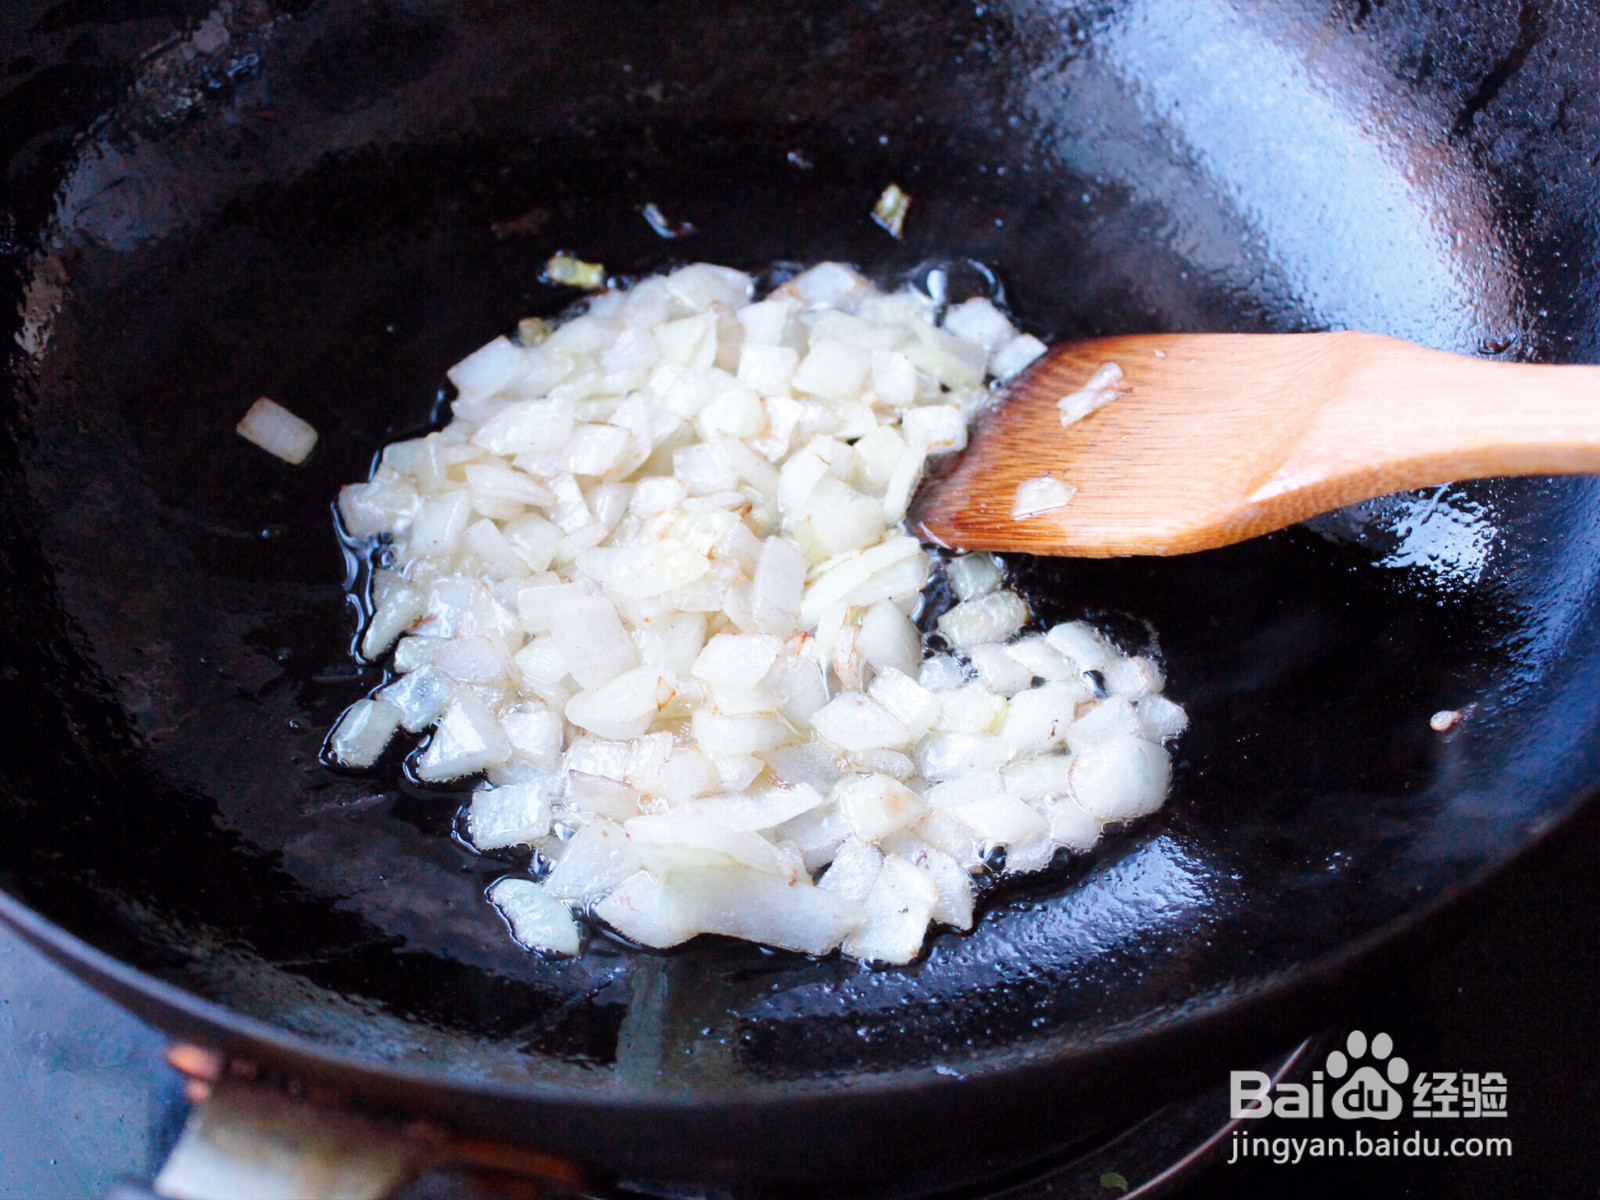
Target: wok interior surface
[{"x": 331, "y": 204}]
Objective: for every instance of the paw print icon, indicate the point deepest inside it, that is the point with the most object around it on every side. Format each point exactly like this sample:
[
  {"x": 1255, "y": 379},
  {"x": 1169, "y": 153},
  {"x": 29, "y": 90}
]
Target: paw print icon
[{"x": 1368, "y": 1092}]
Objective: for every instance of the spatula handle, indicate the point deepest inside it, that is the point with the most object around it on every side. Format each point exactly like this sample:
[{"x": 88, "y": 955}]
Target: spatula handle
[{"x": 1404, "y": 416}]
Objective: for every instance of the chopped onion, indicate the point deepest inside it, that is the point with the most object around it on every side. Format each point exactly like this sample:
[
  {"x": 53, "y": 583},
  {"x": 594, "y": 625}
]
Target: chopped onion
[
  {"x": 979, "y": 321},
  {"x": 278, "y": 431},
  {"x": 1036, "y": 497},
  {"x": 876, "y": 805},
  {"x": 898, "y": 909},
  {"x": 890, "y": 211},
  {"x": 652, "y": 585},
  {"x": 990, "y": 618},
  {"x": 574, "y": 272},
  {"x": 1013, "y": 357},
  {"x": 467, "y": 739},
  {"x": 973, "y": 575},
  {"x": 513, "y": 815},
  {"x": 1096, "y": 394},
  {"x": 1122, "y": 778},
  {"x": 759, "y": 907},
  {"x": 363, "y": 732},
  {"x": 537, "y": 919},
  {"x": 856, "y": 722}
]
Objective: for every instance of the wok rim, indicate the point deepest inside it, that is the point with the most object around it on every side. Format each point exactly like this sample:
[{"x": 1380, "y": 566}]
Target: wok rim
[{"x": 1272, "y": 1001}]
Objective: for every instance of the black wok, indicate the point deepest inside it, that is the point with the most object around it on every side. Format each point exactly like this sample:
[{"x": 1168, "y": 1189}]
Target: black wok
[{"x": 329, "y": 203}]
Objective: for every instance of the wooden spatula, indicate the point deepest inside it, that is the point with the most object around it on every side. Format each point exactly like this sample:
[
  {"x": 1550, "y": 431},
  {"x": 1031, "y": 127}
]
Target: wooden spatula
[{"x": 1215, "y": 438}]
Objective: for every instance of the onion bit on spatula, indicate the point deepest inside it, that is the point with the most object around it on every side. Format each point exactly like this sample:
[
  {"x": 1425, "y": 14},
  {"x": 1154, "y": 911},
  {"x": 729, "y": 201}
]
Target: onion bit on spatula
[{"x": 1196, "y": 441}]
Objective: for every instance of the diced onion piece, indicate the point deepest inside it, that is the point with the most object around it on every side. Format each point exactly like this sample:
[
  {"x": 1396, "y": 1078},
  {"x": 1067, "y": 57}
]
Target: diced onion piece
[
  {"x": 535, "y": 734},
  {"x": 765, "y": 322},
  {"x": 744, "y": 734},
  {"x": 597, "y": 859},
  {"x": 363, "y": 733},
  {"x": 876, "y": 805},
  {"x": 778, "y": 587},
  {"x": 513, "y": 815},
  {"x": 533, "y": 330},
  {"x": 1034, "y": 854},
  {"x": 1135, "y": 676},
  {"x": 1004, "y": 820},
  {"x": 906, "y": 700},
  {"x": 487, "y": 369},
  {"x": 635, "y": 911},
  {"x": 278, "y": 431},
  {"x": 898, "y": 909},
  {"x": 527, "y": 427},
  {"x": 420, "y": 696},
  {"x": 941, "y": 673},
  {"x": 672, "y": 841},
  {"x": 1096, "y": 394},
  {"x": 1070, "y": 826},
  {"x": 979, "y": 321},
  {"x": 466, "y": 740},
  {"x": 1041, "y": 718},
  {"x": 537, "y": 920},
  {"x": 590, "y": 637},
  {"x": 1036, "y": 497},
  {"x": 1109, "y": 720},
  {"x": 623, "y": 707},
  {"x": 853, "y": 575},
  {"x": 1082, "y": 645},
  {"x": 948, "y": 835},
  {"x": 936, "y": 428},
  {"x": 853, "y": 721},
  {"x": 797, "y": 684},
  {"x": 758, "y": 907},
  {"x": 833, "y": 370},
  {"x": 1013, "y": 357},
  {"x": 854, "y": 869},
  {"x": 574, "y": 272},
  {"x": 600, "y": 795},
  {"x": 890, "y": 211},
  {"x": 767, "y": 368},
  {"x": 766, "y": 809},
  {"x": 973, "y": 575},
  {"x": 828, "y": 283},
  {"x": 971, "y": 709},
  {"x": 1038, "y": 778},
  {"x": 990, "y": 618},
  {"x": 1121, "y": 779},
  {"x": 951, "y": 755},
  {"x": 437, "y": 528},
  {"x": 737, "y": 660},
  {"x": 402, "y": 605},
  {"x": 998, "y": 671},
  {"x": 1160, "y": 719},
  {"x": 956, "y": 893},
  {"x": 953, "y": 362},
  {"x": 1044, "y": 661}
]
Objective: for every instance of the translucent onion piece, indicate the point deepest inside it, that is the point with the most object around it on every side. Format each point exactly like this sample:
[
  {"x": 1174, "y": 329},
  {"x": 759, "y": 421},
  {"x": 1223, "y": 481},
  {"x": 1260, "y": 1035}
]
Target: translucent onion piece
[
  {"x": 537, "y": 920},
  {"x": 278, "y": 431}
]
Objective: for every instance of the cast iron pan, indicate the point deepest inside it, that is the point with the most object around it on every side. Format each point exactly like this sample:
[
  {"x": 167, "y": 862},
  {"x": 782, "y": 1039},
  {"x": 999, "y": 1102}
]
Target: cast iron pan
[{"x": 330, "y": 203}]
